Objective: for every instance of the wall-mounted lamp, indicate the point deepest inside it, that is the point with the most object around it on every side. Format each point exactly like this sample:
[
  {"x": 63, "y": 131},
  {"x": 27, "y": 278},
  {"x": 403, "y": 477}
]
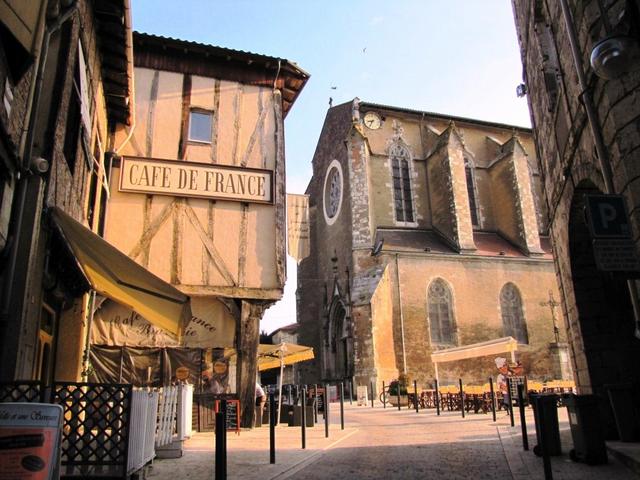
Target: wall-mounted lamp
[{"x": 615, "y": 55}]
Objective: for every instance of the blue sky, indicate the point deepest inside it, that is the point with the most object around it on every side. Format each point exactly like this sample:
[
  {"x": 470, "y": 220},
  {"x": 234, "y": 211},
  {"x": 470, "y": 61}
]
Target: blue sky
[{"x": 457, "y": 57}]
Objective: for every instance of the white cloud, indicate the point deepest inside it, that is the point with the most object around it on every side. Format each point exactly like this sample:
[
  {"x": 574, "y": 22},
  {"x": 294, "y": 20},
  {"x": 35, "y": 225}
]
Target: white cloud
[{"x": 376, "y": 21}]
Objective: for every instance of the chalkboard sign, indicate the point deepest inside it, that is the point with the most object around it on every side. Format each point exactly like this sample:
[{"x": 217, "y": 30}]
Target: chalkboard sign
[{"x": 233, "y": 414}]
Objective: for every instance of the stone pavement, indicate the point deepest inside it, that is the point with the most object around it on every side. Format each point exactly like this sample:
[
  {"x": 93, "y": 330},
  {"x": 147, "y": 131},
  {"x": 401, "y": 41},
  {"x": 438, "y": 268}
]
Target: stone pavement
[{"x": 387, "y": 443}]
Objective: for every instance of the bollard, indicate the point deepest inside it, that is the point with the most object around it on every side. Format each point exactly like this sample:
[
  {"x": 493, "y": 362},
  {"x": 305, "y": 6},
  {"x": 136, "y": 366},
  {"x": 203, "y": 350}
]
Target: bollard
[
  {"x": 272, "y": 427},
  {"x": 461, "y": 397},
  {"x": 510, "y": 402},
  {"x": 493, "y": 398},
  {"x": 351, "y": 391},
  {"x": 371, "y": 384},
  {"x": 523, "y": 420},
  {"x": 304, "y": 418},
  {"x": 546, "y": 459},
  {"x": 384, "y": 396},
  {"x": 398, "y": 392},
  {"x": 315, "y": 404},
  {"x": 437, "y": 399},
  {"x": 415, "y": 393},
  {"x": 221, "y": 444},
  {"x": 341, "y": 405},
  {"x": 326, "y": 410}
]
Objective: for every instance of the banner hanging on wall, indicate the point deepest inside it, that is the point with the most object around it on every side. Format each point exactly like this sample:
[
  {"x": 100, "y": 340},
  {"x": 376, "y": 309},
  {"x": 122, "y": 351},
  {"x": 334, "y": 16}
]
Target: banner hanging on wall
[{"x": 298, "y": 226}]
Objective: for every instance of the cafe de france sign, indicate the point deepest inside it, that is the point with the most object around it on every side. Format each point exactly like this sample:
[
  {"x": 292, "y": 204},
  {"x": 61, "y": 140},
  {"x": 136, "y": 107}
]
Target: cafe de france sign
[{"x": 191, "y": 179}]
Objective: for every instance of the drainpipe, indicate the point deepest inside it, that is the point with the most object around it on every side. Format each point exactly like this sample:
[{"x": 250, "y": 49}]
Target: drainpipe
[
  {"x": 404, "y": 352},
  {"x": 596, "y": 131}
]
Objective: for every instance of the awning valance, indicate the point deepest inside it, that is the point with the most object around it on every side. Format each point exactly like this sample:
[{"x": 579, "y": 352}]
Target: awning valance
[
  {"x": 113, "y": 274},
  {"x": 490, "y": 347}
]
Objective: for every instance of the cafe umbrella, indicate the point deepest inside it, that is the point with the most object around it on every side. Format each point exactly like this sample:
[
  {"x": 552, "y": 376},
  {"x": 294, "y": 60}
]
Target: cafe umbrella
[{"x": 281, "y": 355}]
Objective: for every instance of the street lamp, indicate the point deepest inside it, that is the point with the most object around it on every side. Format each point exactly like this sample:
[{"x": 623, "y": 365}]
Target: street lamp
[{"x": 615, "y": 55}]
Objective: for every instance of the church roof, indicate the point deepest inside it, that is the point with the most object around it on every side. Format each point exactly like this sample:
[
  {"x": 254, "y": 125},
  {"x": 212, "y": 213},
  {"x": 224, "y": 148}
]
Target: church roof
[{"x": 488, "y": 244}]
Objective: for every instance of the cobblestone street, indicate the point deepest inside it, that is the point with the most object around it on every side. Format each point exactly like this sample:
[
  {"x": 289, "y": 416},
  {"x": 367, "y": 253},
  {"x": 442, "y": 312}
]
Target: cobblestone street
[{"x": 386, "y": 444}]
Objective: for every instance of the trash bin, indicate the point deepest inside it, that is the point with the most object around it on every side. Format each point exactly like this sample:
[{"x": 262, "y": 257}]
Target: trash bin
[
  {"x": 547, "y": 404},
  {"x": 296, "y": 419},
  {"x": 586, "y": 429},
  {"x": 258, "y": 417},
  {"x": 624, "y": 411}
]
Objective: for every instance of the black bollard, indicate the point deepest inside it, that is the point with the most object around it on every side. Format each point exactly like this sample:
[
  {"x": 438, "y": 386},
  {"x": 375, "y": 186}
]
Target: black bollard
[
  {"x": 461, "y": 397},
  {"x": 221, "y": 444},
  {"x": 415, "y": 393},
  {"x": 546, "y": 459},
  {"x": 384, "y": 396},
  {"x": 493, "y": 398},
  {"x": 523, "y": 420},
  {"x": 304, "y": 418},
  {"x": 371, "y": 385},
  {"x": 510, "y": 402},
  {"x": 351, "y": 391},
  {"x": 437, "y": 398},
  {"x": 341, "y": 405},
  {"x": 398, "y": 393},
  {"x": 326, "y": 410},
  {"x": 272, "y": 427},
  {"x": 315, "y": 404}
]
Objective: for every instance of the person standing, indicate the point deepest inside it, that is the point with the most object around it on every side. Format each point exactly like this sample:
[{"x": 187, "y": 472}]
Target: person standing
[
  {"x": 503, "y": 385},
  {"x": 261, "y": 397}
]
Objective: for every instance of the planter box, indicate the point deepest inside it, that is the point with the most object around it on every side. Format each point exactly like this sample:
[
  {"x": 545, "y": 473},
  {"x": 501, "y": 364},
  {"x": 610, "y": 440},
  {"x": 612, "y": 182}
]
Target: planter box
[{"x": 404, "y": 400}]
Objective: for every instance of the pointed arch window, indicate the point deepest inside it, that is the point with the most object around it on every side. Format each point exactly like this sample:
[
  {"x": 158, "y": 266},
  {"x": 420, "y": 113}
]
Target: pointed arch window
[
  {"x": 513, "y": 320},
  {"x": 401, "y": 175},
  {"x": 471, "y": 192},
  {"x": 441, "y": 319}
]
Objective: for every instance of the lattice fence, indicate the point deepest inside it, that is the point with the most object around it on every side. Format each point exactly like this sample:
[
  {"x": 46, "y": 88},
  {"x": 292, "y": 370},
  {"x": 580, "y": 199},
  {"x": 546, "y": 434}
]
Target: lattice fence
[
  {"x": 96, "y": 428},
  {"x": 24, "y": 391}
]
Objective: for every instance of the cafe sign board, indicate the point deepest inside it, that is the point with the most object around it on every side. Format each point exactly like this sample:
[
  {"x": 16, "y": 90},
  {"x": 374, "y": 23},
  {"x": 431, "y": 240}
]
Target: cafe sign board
[
  {"x": 193, "y": 179},
  {"x": 30, "y": 441}
]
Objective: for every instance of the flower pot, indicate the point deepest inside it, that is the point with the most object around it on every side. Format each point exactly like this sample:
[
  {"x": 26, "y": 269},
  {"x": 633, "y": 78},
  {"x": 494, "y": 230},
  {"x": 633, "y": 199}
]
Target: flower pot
[{"x": 404, "y": 400}]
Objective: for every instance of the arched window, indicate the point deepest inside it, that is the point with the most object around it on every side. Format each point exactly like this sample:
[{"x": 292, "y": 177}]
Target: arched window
[
  {"x": 512, "y": 315},
  {"x": 441, "y": 320},
  {"x": 400, "y": 172},
  {"x": 471, "y": 191}
]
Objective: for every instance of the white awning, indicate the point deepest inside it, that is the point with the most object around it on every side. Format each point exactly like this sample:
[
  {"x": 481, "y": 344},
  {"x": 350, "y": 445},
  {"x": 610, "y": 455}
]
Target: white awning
[{"x": 482, "y": 349}]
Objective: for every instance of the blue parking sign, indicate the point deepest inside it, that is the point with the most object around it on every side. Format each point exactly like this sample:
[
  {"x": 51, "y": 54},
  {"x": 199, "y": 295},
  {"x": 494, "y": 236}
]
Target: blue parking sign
[{"x": 608, "y": 216}]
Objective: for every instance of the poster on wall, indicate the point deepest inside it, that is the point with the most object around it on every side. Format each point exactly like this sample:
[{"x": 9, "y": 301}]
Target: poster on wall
[
  {"x": 217, "y": 372},
  {"x": 211, "y": 326},
  {"x": 30, "y": 441}
]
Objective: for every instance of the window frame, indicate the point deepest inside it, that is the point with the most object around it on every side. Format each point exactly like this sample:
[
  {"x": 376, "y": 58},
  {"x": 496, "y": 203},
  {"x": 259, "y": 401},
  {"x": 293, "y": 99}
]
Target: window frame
[
  {"x": 451, "y": 339},
  {"x": 200, "y": 111},
  {"x": 403, "y": 163},
  {"x": 513, "y": 328}
]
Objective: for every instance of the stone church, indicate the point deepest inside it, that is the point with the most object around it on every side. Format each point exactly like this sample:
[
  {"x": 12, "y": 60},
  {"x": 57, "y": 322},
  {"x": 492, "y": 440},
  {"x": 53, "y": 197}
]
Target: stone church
[{"x": 430, "y": 251}]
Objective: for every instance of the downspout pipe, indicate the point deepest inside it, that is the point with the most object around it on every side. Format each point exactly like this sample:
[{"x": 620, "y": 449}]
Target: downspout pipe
[{"x": 596, "y": 131}]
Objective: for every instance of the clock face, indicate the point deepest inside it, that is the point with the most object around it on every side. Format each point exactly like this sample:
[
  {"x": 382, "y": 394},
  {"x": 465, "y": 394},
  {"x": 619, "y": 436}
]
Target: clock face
[{"x": 372, "y": 120}]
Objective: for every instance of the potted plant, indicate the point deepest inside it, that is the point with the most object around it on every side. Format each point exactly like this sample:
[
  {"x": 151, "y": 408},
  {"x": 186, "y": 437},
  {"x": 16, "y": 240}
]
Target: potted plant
[{"x": 393, "y": 391}]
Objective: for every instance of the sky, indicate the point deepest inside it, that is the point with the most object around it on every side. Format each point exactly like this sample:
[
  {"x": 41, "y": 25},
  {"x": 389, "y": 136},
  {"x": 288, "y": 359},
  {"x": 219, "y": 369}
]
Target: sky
[{"x": 457, "y": 57}]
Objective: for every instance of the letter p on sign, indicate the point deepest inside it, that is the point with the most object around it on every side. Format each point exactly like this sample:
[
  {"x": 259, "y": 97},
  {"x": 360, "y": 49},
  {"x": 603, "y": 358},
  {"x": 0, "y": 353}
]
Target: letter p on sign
[{"x": 607, "y": 216}]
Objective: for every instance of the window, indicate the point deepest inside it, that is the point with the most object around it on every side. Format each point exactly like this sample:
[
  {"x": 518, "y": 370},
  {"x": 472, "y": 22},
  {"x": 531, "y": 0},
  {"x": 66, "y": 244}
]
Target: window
[
  {"x": 512, "y": 315},
  {"x": 471, "y": 192},
  {"x": 200, "y": 126},
  {"x": 332, "y": 196},
  {"x": 441, "y": 320},
  {"x": 400, "y": 172}
]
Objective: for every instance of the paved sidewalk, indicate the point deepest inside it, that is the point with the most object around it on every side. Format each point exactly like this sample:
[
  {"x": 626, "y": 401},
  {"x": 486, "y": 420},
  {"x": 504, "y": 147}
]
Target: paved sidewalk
[{"x": 385, "y": 444}]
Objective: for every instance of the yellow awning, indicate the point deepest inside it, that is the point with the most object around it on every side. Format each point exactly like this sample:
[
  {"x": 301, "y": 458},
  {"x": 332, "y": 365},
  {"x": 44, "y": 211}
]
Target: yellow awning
[
  {"x": 490, "y": 347},
  {"x": 113, "y": 274},
  {"x": 271, "y": 356}
]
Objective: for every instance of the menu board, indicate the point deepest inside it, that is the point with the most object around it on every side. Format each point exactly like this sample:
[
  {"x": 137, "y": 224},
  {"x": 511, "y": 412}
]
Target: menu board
[{"x": 30, "y": 441}]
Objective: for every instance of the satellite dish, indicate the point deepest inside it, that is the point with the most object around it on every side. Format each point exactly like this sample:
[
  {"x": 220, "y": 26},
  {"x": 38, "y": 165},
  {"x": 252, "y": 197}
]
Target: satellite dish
[{"x": 377, "y": 247}]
